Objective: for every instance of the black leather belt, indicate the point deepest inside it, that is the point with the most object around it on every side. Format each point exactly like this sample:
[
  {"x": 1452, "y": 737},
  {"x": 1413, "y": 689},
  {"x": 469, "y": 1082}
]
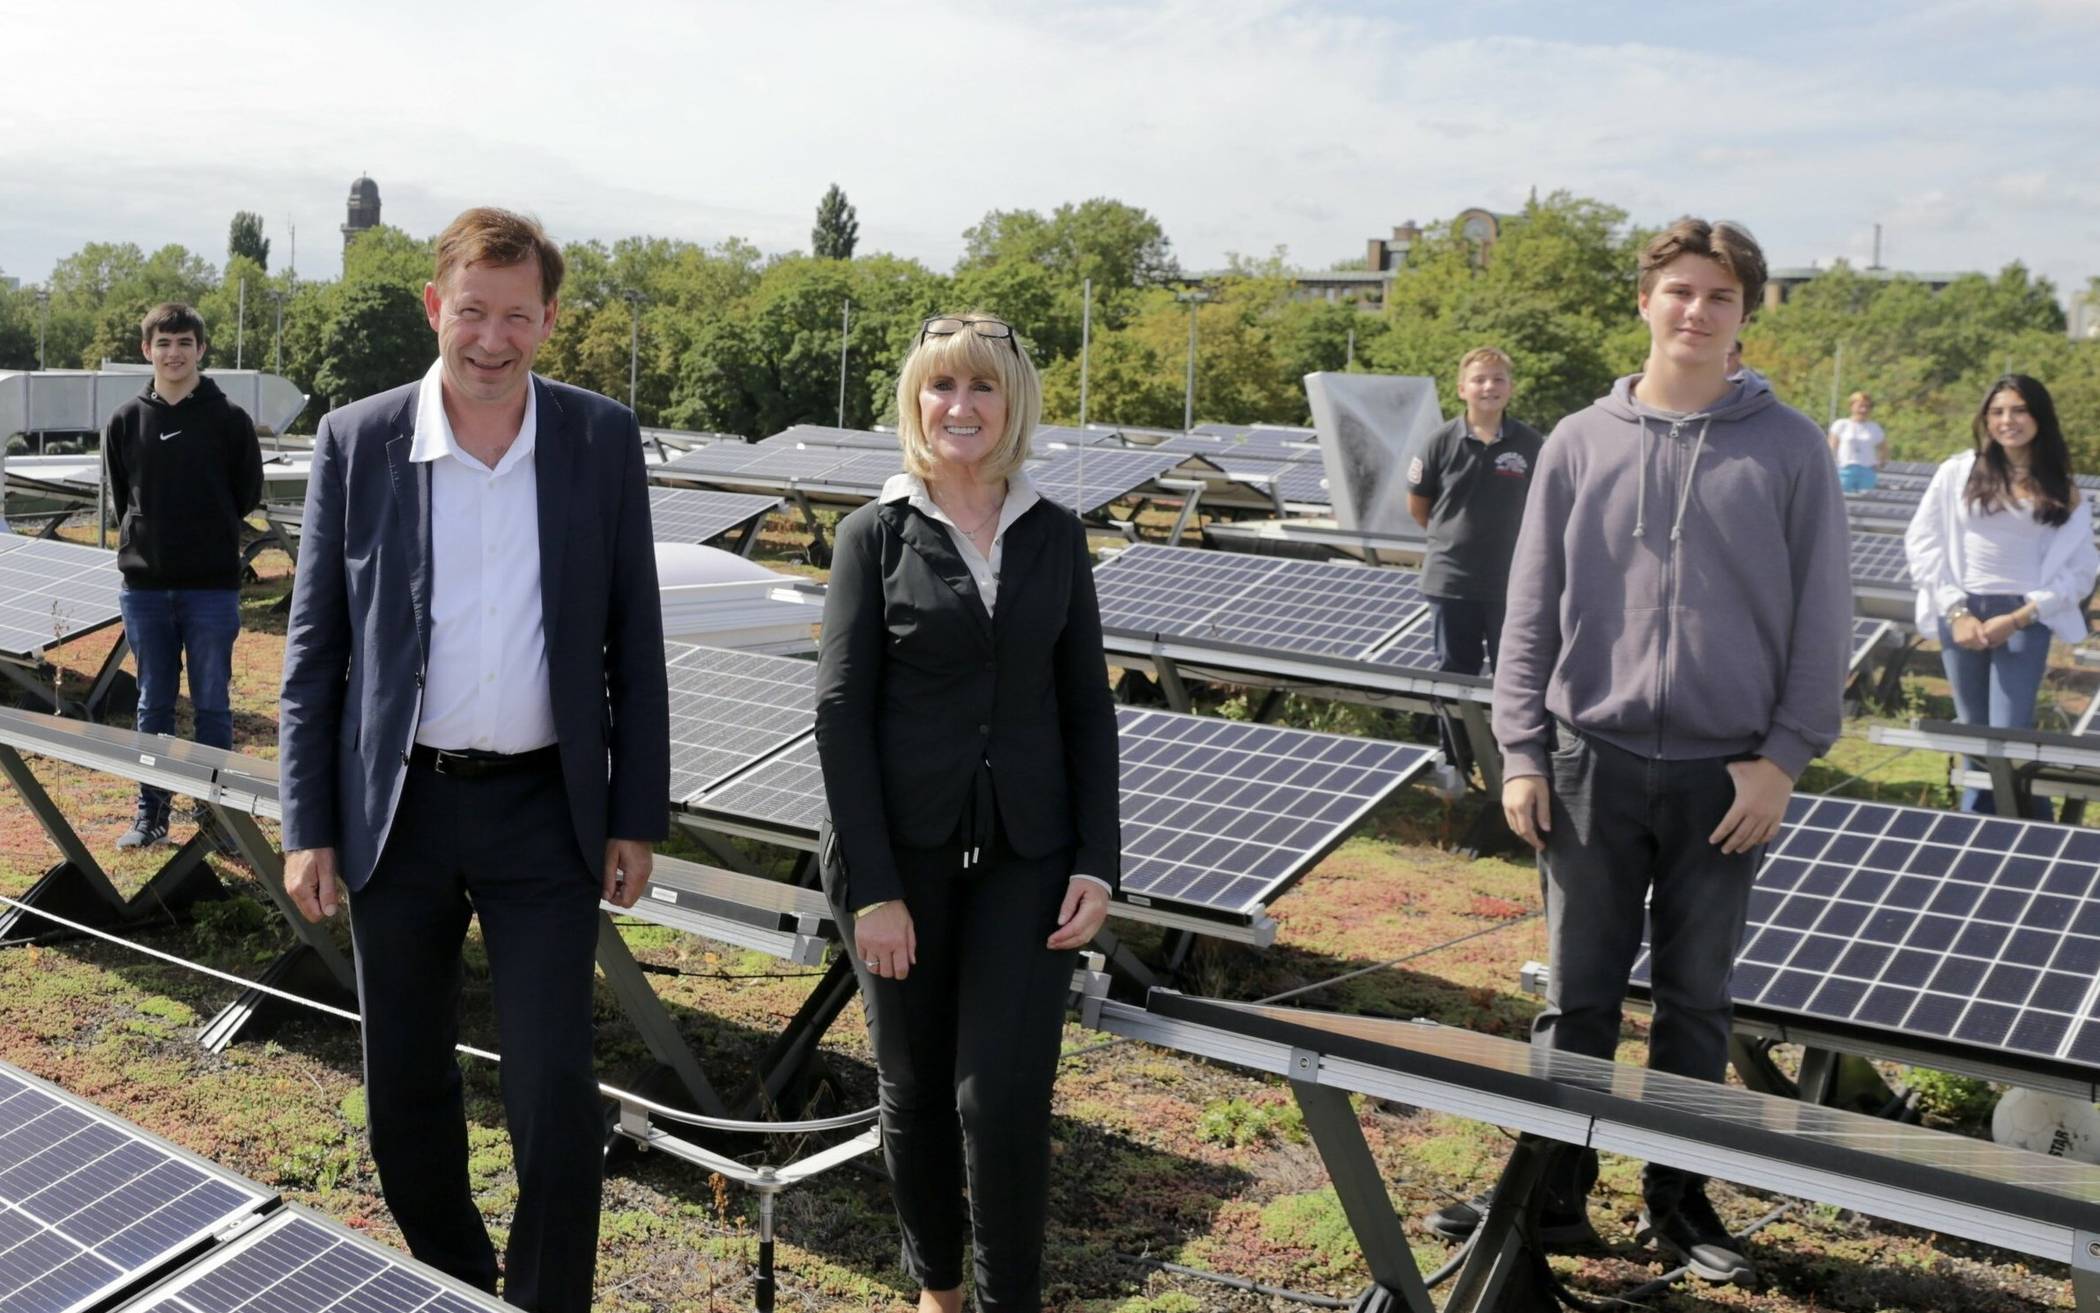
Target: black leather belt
[{"x": 472, "y": 764}]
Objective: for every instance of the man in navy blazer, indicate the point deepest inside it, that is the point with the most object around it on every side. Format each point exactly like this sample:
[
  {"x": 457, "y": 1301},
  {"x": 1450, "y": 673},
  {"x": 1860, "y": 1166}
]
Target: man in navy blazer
[{"x": 474, "y": 721}]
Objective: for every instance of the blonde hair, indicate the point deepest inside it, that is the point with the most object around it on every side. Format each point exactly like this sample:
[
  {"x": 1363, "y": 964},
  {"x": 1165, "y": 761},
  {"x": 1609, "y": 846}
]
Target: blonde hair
[
  {"x": 1480, "y": 353},
  {"x": 1858, "y": 397},
  {"x": 968, "y": 354}
]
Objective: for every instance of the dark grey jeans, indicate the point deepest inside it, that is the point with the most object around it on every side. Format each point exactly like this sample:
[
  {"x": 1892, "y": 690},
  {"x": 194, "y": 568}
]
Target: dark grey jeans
[{"x": 1630, "y": 831}]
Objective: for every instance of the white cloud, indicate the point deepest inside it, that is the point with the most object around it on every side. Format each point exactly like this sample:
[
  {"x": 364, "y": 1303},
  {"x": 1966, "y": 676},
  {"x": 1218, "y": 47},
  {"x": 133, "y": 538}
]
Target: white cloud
[{"x": 1240, "y": 124}]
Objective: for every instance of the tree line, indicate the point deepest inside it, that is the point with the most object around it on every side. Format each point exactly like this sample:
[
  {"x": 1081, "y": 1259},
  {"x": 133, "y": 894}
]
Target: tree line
[{"x": 732, "y": 340}]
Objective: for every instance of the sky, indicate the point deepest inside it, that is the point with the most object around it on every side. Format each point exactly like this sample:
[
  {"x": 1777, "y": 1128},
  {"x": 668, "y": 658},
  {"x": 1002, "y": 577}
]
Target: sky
[{"x": 1964, "y": 127}]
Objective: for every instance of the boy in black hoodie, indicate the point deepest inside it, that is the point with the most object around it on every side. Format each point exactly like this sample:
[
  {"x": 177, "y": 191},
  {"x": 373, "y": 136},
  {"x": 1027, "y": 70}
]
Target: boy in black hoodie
[{"x": 184, "y": 469}]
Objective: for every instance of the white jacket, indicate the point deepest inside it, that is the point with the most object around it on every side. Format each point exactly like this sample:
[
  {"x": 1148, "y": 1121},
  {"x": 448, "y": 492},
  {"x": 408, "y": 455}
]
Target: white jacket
[{"x": 1932, "y": 545}]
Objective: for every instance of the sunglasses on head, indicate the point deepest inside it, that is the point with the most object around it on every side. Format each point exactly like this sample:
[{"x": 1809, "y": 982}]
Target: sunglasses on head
[{"x": 949, "y": 326}]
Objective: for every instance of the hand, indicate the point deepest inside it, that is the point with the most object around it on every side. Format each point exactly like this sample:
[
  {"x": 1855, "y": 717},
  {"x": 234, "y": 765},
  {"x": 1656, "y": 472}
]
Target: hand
[
  {"x": 1968, "y": 632},
  {"x": 1527, "y": 804},
  {"x": 1084, "y": 909},
  {"x": 310, "y": 878},
  {"x": 887, "y": 941},
  {"x": 627, "y": 866},
  {"x": 1999, "y": 628},
  {"x": 1761, "y": 791}
]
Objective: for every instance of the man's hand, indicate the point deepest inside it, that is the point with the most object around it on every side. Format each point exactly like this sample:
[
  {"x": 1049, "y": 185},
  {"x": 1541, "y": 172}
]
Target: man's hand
[
  {"x": 1527, "y": 804},
  {"x": 1761, "y": 791},
  {"x": 887, "y": 941},
  {"x": 627, "y": 866},
  {"x": 310, "y": 878},
  {"x": 1084, "y": 909},
  {"x": 1997, "y": 629},
  {"x": 1968, "y": 632}
]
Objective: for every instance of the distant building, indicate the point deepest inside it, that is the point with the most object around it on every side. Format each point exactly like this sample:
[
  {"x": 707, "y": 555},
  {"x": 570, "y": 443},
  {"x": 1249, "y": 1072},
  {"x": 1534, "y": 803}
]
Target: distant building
[
  {"x": 1389, "y": 254},
  {"x": 364, "y": 209},
  {"x": 1781, "y": 283},
  {"x": 2085, "y": 315}
]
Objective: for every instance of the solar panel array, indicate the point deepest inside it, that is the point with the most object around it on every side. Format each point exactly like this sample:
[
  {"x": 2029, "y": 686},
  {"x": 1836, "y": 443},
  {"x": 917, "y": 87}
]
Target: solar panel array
[
  {"x": 728, "y": 709},
  {"x": 691, "y": 515},
  {"x": 295, "y": 1263},
  {"x": 1276, "y": 603},
  {"x": 1878, "y": 560},
  {"x": 1866, "y": 636},
  {"x": 51, "y": 591},
  {"x": 1951, "y": 928},
  {"x": 1089, "y": 478},
  {"x": 1219, "y": 815},
  {"x": 88, "y": 1204},
  {"x": 824, "y": 435}
]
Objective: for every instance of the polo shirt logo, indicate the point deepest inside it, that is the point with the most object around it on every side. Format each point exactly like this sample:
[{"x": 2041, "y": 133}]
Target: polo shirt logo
[
  {"x": 1414, "y": 470},
  {"x": 1512, "y": 465}
]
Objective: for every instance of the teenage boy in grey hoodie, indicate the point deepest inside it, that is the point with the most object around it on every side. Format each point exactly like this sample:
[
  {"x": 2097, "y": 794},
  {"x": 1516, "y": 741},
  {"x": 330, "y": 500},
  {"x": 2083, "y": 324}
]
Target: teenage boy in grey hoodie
[{"x": 1673, "y": 656}]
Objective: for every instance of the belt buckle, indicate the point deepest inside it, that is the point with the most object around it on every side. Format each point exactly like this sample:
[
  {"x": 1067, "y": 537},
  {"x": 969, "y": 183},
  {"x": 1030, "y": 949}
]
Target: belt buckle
[{"x": 446, "y": 762}]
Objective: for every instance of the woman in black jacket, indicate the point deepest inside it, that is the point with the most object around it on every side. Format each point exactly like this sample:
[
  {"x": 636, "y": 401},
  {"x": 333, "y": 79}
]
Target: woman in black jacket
[{"x": 969, "y": 753}]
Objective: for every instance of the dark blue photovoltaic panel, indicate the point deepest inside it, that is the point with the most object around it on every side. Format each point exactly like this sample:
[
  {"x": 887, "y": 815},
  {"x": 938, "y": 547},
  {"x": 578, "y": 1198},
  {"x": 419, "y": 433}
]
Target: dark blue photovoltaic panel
[
  {"x": 51, "y": 591},
  {"x": 1217, "y": 814},
  {"x": 823, "y": 435},
  {"x": 1413, "y": 649},
  {"x": 298, "y": 1262},
  {"x": 1275, "y": 604},
  {"x": 865, "y": 470},
  {"x": 692, "y": 515},
  {"x": 1085, "y": 479},
  {"x": 720, "y": 458},
  {"x": 1866, "y": 636},
  {"x": 1877, "y": 559},
  {"x": 88, "y": 1203},
  {"x": 1304, "y": 483},
  {"x": 728, "y": 709},
  {"x": 1964, "y": 930}
]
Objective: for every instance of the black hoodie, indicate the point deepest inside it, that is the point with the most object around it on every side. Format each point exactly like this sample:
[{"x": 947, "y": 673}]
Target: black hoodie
[{"x": 181, "y": 478}]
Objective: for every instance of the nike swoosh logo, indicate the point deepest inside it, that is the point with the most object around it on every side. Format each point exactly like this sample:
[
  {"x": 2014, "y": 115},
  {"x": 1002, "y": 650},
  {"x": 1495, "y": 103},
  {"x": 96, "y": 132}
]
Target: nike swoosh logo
[{"x": 176, "y": 434}]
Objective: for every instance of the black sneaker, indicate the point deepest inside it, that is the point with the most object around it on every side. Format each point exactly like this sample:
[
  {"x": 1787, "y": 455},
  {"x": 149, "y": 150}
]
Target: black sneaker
[
  {"x": 1692, "y": 1233},
  {"x": 1561, "y": 1229},
  {"x": 148, "y": 827}
]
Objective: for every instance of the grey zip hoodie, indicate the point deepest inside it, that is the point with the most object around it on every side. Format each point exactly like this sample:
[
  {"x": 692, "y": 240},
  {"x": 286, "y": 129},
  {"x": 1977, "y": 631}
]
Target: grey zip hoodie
[{"x": 1681, "y": 586}]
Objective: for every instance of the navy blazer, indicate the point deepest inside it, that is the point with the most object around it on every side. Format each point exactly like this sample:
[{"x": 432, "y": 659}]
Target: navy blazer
[
  {"x": 359, "y": 637},
  {"x": 917, "y": 685}
]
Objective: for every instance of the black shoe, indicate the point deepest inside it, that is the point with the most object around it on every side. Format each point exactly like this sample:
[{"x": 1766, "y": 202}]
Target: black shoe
[
  {"x": 1561, "y": 1229},
  {"x": 148, "y": 827},
  {"x": 1691, "y": 1232}
]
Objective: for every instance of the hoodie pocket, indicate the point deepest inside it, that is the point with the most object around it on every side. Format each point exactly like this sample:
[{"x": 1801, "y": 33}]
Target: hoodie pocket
[
  {"x": 178, "y": 549},
  {"x": 1606, "y": 673},
  {"x": 1723, "y": 677}
]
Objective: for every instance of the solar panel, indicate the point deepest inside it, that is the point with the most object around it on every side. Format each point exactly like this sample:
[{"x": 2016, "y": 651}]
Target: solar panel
[
  {"x": 89, "y": 1204},
  {"x": 691, "y": 515},
  {"x": 1952, "y": 928},
  {"x": 867, "y": 470},
  {"x": 1866, "y": 636},
  {"x": 1110, "y": 475},
  {"x": 1064, "y": 436},
  {"x": 728, "y": 709},
  {"x": 720, "y": 458},
  {"x": 51, "y": 591},
  {"x": 1274, "y": 603},
  {"x": 1304, "y": 482},
  {"x": 299, "y": 1263},
  {"x": 1219, "y": 815},
  {"x": 1877, "y": 558},
  {"x": 1413, "y": 648},
  {"x": 823, "y": 435}
]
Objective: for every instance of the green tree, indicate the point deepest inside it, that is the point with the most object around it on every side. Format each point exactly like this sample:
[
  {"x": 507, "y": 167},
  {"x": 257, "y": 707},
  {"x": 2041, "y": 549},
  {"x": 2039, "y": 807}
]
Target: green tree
[
  {"x": 838, "y": 227},
  {"x": 386, "y": 254},
  {"x": 135, "y": 286},
  {"x": 377, "y": 338},
  {"x": 245, "y": 238}
]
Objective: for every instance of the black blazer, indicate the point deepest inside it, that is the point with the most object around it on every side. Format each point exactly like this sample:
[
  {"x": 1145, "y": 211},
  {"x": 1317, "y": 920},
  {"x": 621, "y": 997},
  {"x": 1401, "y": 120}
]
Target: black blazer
[
  {"x": 916, "y": 685},
  {"x": 359, "y": 636}
]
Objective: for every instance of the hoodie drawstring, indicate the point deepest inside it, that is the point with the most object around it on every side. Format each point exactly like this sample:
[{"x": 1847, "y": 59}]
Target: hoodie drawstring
[{"x": 1684, "y": 492}]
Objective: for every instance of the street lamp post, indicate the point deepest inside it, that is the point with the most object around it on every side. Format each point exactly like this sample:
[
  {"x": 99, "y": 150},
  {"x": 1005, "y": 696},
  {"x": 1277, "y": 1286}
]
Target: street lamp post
[
  {"x": 634, "y": 301},
  {"x": 1194, "y": 298},
  {"x": 43, "y": 317}
]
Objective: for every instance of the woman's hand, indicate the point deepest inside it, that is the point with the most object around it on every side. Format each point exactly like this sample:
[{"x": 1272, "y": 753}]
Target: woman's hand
[
  {"x": 1085, "y": 908},
  {"x": 1967, "y": 632},
  {"x": 1998, "y": 629},
  {"x": 887, "y": 941}
]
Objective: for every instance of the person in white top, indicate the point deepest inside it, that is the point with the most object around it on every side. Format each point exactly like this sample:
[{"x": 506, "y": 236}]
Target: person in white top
[
  {"x": 2001, "y": 551},
  {"x": 1856, "y": 442}
]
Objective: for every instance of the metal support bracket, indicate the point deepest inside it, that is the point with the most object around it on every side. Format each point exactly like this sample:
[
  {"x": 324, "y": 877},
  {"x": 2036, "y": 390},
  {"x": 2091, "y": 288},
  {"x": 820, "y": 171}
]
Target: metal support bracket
[
  {"x": 1340, "y": 1140},
  {"x": 652, "y": 1020}
]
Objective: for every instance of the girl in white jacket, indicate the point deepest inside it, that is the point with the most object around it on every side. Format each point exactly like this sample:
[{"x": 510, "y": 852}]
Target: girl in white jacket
[{"x": 2001, "y": 550}]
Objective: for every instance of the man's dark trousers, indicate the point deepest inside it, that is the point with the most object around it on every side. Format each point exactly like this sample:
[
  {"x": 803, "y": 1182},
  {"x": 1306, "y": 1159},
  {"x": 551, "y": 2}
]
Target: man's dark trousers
[
  {"x": 499, "y": 847},
  {"x": 1629, "y": 829}
]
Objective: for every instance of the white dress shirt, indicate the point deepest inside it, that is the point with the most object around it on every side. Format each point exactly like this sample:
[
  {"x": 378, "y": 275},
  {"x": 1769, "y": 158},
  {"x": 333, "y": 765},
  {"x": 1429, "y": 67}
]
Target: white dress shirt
[
  {"x": 486, "y": 685},
  {"x": 984, "y": 570}
]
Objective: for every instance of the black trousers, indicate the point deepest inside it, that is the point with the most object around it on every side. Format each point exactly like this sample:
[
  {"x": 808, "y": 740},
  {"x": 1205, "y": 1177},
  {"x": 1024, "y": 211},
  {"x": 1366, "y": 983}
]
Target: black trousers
[
  {"x": 966, "y": 1052},
  {"x": 500, "y": 848}
]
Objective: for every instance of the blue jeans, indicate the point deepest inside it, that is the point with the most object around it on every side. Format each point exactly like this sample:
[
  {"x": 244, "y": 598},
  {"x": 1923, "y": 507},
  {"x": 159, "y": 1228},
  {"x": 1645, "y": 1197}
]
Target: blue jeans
[
  {"x": 171, "y": 629},
  {"x": 1997, "y": 686},
  {"x": 1856, "y": 478}
]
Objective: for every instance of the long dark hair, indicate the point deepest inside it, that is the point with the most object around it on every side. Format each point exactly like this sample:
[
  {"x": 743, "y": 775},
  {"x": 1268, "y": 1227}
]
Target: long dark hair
[{"x": 1991, "y": 481}]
